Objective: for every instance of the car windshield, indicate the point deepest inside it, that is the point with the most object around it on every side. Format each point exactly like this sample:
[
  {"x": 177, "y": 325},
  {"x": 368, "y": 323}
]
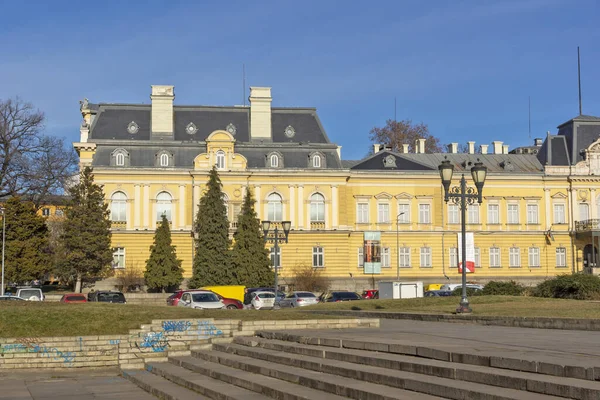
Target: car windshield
[
  {"x": 25, "y": 294},
  {"x": 111, "y": 297},
  {"x": 346, "y": 295},
  {"x": 204, "y": 298},
  {"x": 306, "y": 294},
  {"x": 266, "y": 295},
  {"x": 76, "y": 298}
]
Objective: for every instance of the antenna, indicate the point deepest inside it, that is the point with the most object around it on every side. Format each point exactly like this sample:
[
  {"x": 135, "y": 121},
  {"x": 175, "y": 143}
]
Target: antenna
[
  {"x": 529, "y": 117},
  {"x": 395, "y": 109},
  {"x": 579, "y": 78},
  {"x": 244, "y": 83}
]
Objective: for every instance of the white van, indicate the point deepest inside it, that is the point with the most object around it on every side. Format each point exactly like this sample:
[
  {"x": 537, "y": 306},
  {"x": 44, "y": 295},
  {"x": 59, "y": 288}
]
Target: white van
[
  {"x": 452, "y": 286},
  {"x": 31, "y": 294}
]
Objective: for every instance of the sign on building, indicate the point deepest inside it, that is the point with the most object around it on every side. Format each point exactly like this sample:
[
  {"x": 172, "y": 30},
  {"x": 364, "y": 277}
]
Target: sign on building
[
  {"x": 372, "y": 252},
  {"x": 470, "y": 252}
]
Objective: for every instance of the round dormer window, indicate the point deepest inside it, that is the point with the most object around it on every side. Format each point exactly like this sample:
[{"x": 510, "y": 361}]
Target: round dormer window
[
  {"x": 290, "y": 131},
  {"x": 231, "y": 129},
  {"x": 191, "y": 128},
  {"x": 133, "y": 127}
]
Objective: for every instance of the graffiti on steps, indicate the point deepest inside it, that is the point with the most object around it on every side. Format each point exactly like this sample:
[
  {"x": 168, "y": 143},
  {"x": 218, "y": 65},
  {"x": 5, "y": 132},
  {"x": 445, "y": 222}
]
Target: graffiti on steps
[
  {"x": 176, "y": 326},
  {"x": 29, "y": 345}
]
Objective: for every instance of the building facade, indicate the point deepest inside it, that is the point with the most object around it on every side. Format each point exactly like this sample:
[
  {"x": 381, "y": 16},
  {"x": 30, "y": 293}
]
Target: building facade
[{"x": 153, "y": 159}]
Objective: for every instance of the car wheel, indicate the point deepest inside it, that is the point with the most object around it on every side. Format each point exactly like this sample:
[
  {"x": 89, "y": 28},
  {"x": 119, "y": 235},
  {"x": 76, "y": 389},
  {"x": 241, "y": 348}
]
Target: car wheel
[{"x": 231, "y": 307}]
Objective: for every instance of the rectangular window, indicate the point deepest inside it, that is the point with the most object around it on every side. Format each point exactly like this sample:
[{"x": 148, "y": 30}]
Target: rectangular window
[
  {"x": 403, "y": 213},
  {"x": 385, "y": 257},
  {"x": 477, "y": 257},
  {"x": 584, "y": 211},
  {"x": 493, "y": 214},
  {"x": 453, "y": 214},
  {"x": 383, "y": 213},
  {"x": 361, "y": 258},
  {"x": 559, "y": 214},
  {"x": 318, "y": 257},
  {"x": 513, "y": 214},
  {"x": 118, "y": 257},
  {"x": 453, "y": 257},
  {"x": 514, "y": 257},
  {"x": 532, "y": 213},
  {"x": 534, "y": 257},
  {"x": 473, "y": 216},
  {"x": 362, "y": 213},
  {"x": 494, "y": 257},
  {"x": 424, "y": 213},
  {"x": 425, "y": 257},
  {"x": 404, "y": 257},
  {"x": 46, "y": 212},
  {"x": 561, "y": 257},
  {"x": 275, "y": 262}
]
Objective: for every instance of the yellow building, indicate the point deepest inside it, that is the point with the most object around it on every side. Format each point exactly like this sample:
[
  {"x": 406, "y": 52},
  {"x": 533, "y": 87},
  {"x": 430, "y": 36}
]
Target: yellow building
[{"x": 154, "y": 158}]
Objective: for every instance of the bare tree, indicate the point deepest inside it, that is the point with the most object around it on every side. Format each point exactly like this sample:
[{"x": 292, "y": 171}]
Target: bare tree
[
  {"x": 397, "y": 133},
  {"x": 31, "y": 165}
]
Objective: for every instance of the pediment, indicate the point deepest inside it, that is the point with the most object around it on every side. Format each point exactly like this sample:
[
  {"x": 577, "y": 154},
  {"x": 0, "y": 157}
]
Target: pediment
[
  {"x": 559, "y": 196},
  {"x": 404, "y": 195},
  {"x": 383, "y": 196}
]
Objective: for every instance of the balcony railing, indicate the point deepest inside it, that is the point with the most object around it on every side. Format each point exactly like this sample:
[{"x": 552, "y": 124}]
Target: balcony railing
[
  {"x": 118, "y": 224},
  {"x": 317, "y": 225},
  {"x": 587, "y": 225}
]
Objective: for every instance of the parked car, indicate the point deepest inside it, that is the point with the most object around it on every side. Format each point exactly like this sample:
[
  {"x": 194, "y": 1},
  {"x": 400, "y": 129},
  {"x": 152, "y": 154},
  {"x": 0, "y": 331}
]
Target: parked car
[
  {"x": 200, "y": 299},
  {"x": 106, "y": 296},
  {"x": 30, "y": 294},
  {"x": 340, "y": 296},
  {"x": 231, "y": 304},
  {"x": 370, "y": 294},
  {"x": 10, "y": 298},
  {"x": 228, "y": 291},
  {"x": 452, "y": 286},
  {"x": 437, "y": 293},
  {"x": 173, "y": 299},
  {"x": 73, "y": 298},
  {"x": 262, "y": 300},
  {"x": 280, "y": 295},
  {"x": 299, "y": 299}
]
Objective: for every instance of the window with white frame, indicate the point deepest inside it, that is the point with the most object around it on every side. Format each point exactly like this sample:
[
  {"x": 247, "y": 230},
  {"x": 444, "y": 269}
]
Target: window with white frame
[
  {"x": 317, "y": 208},
  {"x": 473, "y": 213},
  {"x": 561, "y": 257},
  {"x": 220, "y": 159},
  {"x": 46, "y": 212},
  {"x": 404, "y": 253},
  {"x": 534, "y": 257},
  {"x": 361, "y": 257},
  {"x": 453, "y": 257},
  {"x": 494, "y": 257},
  {"x": 274, "y": 207},
  {"x": 275, "y": 262},
  {"x": 120, "y": 159},
  {"x": 118, "y": 207},
  {"x": 514, "y": 257},
  {"x": 274, "y": 161},
  {"x": 477, "y": 257},
  {"x": 513, "y": 214},
  {"x": 559, "y": 214},
  {"x": 453, "y": 214},
  {"x": 425, "y": 257},
  {"x": 493, "y": 216},
  {"x": 164, "y": 160},
  {"x": 584, "y": 211},
  {"x": 316, "y": 161},
  {"x": 424, "y": 213},
  {"x": 403, "y": 213},
  {"x": 118, "y": 257},
  {"x": 362, "y": 213},
  {"x": 163, "y": 206},
  {"x": 532, "y": 213},
  {"x": 385, "y": 257},
  {"x": 383, "y": 213},
  {"x": 318, "y": 257}
]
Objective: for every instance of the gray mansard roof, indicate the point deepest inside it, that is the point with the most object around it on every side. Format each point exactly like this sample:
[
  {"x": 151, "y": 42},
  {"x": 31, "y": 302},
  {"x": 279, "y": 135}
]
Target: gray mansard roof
[{"x": 574, "y": 136}]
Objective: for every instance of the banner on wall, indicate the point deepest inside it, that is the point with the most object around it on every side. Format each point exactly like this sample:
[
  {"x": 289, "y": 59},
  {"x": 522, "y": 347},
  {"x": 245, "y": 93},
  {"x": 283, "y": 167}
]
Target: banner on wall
[
  {"x": 470, "y": 252},
  {"x": 372, "y": 253}
]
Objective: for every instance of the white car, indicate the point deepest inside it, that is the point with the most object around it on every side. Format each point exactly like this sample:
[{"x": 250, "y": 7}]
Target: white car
[
  {"x": 31, "y": 294},
  {"x": 452, "y": 286},
  {"x": 263, "y": 300},
  {"x": 202, "y": 299},
  {"x": 298, "y": 299}
]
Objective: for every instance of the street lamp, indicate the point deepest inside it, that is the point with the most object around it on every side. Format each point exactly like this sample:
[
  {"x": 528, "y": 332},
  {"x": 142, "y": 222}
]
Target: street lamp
[
  {"x": 398, "y": 246},
  {"x": 276, "y": 240},
  {"x": 463, "y": 196},
  {"x": 2, "y": 209}
]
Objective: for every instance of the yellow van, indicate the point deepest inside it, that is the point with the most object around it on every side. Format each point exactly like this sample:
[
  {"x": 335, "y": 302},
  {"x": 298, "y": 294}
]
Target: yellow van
[
  {"x": 433, "y": 286},
  {"x": 230, "y": 291}
]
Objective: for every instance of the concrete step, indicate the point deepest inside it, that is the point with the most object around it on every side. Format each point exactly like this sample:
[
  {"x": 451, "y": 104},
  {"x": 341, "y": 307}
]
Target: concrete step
[
  {"x": 271, "y": 387},
  {"x": 556, "y": 386},
  {"x": 323, "y": 381},
  {"x": 314, "y": 371},
  {"x": 160, "y": 387},
  {"x": 209, "y": 387}
]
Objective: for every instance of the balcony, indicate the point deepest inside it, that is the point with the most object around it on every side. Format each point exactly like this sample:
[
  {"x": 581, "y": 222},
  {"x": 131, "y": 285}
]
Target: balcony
[
  {"x": 118, "y": 224},
  {"x": 587, "y": 225},
  {"x": 317, "y": 225}
]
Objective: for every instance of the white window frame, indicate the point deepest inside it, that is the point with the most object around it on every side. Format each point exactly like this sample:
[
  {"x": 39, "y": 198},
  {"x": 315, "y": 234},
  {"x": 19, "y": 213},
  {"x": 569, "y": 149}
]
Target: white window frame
[
  {"x": 316, "y": 161},
  {"x": 361, "y": 257},
  {"x": 559, "y": 213},
  {"x": 272, "y": 258},
  {"x": 118, "y": 258},
  {"x": 584, "y": 211},
  {"x": 383, "y": 213},
  {"x": 534, "y": 257},
  {"x": 477, "y": 257},
  {"x": 46, "y": 212},
  {"x": 453, "y": 213},
  {"x": 473, "y": 211},
  {"x": 495, "y": 257},
  {"x": 386, "y": 257},
  {"x": 532, "y": 214},
  {"x": 118, "y": 207},
  {"x": 453, "y": 257},
  {"x": 425, "y": 257},
  {"x": 318, "y": 257},
  {"x": 220, "y": 159},
  {"x": 404, "y": 213},
  {"x": 164, "y": 206},
  {"x": 561, "y": 257},
  {"x": 119, "y": 159},
  {"x": 514, "y": 257},
  {"x": 275, "y": 207},
  {"x": 425, "y": 213},
  {"x": 404, "y": 254},
  {"x": 493, "y": 216},
  {"x": 274, "y": 161},
  {"x": 164, "y": 160},
  {"x": 362, "y": 213},
  {"x": 317, "y": 208},
  {"x": 512, "y": 213}
]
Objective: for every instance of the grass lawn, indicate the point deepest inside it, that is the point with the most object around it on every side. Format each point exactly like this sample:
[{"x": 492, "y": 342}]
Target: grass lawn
[
  {"x": 33, "y": 319},
  {"x": 511, "y": 306}
]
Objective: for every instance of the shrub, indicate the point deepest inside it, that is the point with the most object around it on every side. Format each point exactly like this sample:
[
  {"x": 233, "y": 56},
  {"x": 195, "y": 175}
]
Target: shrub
[
  {"x": 310, "y": 279},
  {"x": 510, "y": 288},
  {"x": 130, "y": 279},
  {"x": 470, "y": 292},
  {"x": 570, "y": 286}
]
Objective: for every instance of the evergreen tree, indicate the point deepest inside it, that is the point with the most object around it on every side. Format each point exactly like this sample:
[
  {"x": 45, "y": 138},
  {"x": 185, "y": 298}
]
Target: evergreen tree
[
  {"x": 28, "y": 256},
  {"x": 85, "y": 240},
  {"x": 249, "y": 257},
  {"x": 212, "y": 259},
  {"x": 163, "y": 269}
]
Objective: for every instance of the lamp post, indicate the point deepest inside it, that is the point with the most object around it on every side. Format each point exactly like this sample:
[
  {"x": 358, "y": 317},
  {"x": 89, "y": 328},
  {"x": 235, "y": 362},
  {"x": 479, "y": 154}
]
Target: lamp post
[
  {"x": 463, "y": 196},
  {"x": 3, "y": 241},
  {"x": 276, "y": 240},
  {"x": 398, "y": 246}
]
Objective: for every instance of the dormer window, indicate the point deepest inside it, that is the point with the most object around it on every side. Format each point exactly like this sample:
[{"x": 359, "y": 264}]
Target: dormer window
[
  {"x": 220, "y": 163},
  {"x": 274, "y": 161},
  {"x": 317, "y": 161},
  {"x": 120, "y": 160},
  {"x": 164, "y": 160}
]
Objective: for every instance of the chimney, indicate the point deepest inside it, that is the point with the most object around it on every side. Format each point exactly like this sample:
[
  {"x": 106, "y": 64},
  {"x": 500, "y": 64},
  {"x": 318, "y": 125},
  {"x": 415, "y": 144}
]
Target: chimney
[
  {"x": 484, "y": 148},
  {"x": 162, "y": 97},
  {"x": 420, "y": 146},
  {"x": 538, "y": 142},
  {"x": 505, "y": 149},
  {"x": 405, "y": 148},
  {"x": 453, "y": 148},
  {"x": 260, "y": 113},
  {"x": 471, "y": 147},
  {"x": 497, "y": 147}
]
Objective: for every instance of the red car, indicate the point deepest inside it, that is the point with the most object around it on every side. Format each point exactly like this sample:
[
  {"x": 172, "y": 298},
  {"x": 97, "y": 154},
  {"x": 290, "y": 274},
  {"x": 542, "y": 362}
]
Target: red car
[
  {"x": 370, "y": 294},
  {"x": 73, "y": 298},
  {"x": 231, "y": 304}
]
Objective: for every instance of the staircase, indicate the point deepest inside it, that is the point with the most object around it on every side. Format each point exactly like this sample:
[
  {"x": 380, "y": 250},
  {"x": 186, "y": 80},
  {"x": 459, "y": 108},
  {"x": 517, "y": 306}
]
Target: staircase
[{"x": 279, "y": 365}]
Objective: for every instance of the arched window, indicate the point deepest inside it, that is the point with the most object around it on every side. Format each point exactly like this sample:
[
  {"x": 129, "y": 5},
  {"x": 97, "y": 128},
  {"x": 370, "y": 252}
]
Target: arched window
[
  {"x": 274, "y": 205},
  {"x": 163, "y": 206},
  {"x": 274, "y": 161},
  {"x": 316, "y": 161},
  {"x": 118, "y": 206},
  {"x": 317, "y": 208},
  {"x": 120, "y": 159},
  {"x": 164, "y": 160},
  {"x": 220, "y": 159}
]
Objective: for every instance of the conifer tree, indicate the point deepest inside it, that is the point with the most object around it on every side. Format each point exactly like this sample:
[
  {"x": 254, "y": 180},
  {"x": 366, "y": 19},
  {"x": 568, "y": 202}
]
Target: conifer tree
[
  {"x": 163, "y": 269},
  {"x": 249, "y": 257},
  {"x": 85, "y": 240},
  {"x": 212, "y": 259},
  {"x": 28, "y": 256}
]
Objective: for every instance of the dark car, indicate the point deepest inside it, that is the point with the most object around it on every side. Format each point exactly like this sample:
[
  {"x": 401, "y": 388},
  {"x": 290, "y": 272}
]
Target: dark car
[
  {"x": 11, "y": 298},
  {"x": 332, "y": 297},
  {"x": 437, "y": 293},
  {"x": 106, "y": 296}
]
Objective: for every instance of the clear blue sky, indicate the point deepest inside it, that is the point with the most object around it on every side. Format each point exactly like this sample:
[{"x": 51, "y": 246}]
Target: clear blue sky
[{"x": 465, "y": 68}]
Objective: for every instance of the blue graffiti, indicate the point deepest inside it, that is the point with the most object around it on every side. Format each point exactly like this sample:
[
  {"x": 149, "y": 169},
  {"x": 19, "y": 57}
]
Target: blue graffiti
[
  {"x": 67, "y": 357},
  {"x": 208, "y": 328},
  {"x": 176, "y": 326},
  {"x": 114, "y": 341},
  {"x": 156, "y": 341}
]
